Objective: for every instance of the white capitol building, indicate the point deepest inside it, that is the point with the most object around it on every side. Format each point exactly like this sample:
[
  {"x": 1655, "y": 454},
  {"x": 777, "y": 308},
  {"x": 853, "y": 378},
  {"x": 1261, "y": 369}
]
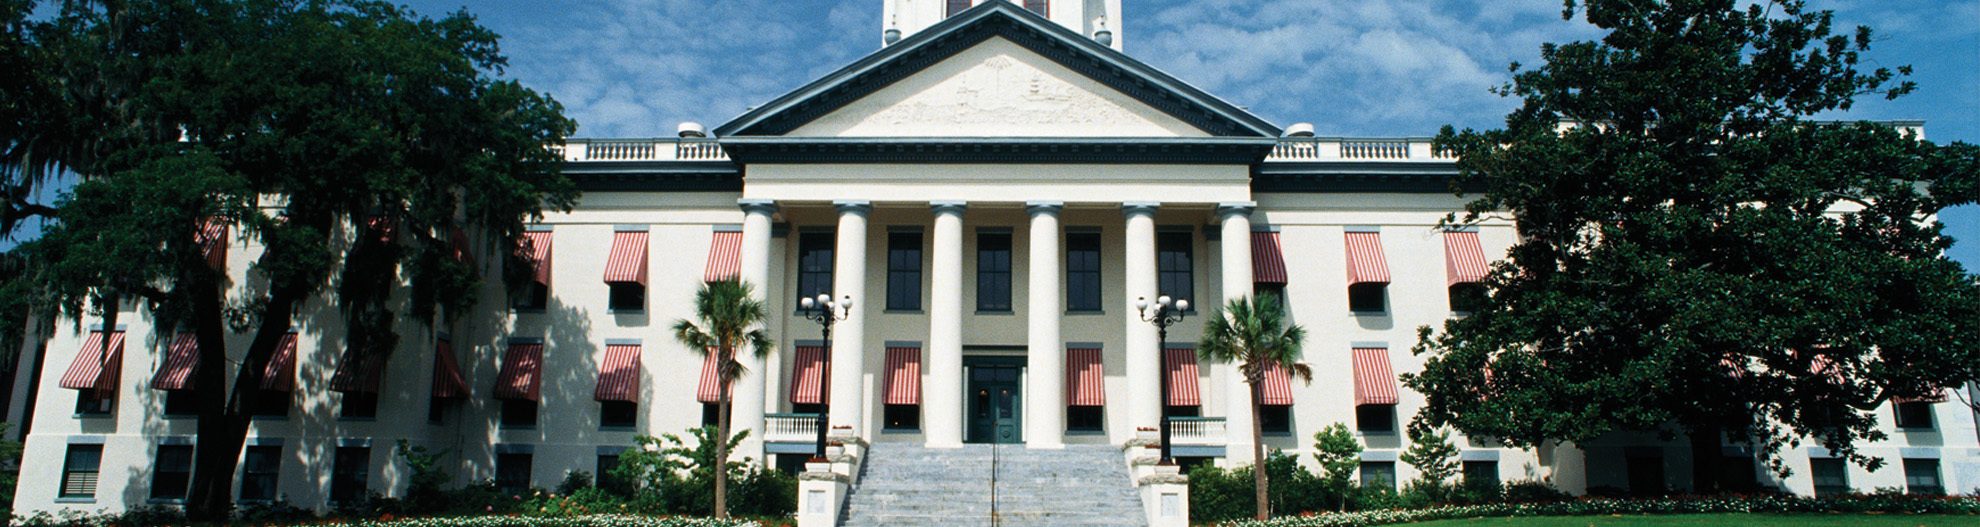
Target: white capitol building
[{"x": 994, "y": 188}]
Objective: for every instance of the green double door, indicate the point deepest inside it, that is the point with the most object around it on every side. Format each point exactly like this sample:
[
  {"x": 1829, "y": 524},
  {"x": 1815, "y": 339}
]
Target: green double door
[{"x": 996, "y": 399}]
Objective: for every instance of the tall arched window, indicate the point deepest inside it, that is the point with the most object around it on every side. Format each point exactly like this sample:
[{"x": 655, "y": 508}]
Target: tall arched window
[
  {"x": 1038, "y": 6},
  {"x": 956, "y": 6}
]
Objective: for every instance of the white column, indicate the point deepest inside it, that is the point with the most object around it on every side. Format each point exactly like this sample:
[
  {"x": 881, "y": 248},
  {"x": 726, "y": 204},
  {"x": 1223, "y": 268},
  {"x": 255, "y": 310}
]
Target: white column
[
  {"x": 849, "y": 335},
  {"x": 751, "y": 390},
  {"x": 1045, "y": 400},
  {"x": 941, "y": 397},
  {"x": 1236, "y": 252},
  {"x": 1143, "y": 370}
]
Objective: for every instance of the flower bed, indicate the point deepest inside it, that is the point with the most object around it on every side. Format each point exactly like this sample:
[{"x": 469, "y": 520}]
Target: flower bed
[
  {"x": 595, "y": 520},
  {"x": 1602, "y": 506}
]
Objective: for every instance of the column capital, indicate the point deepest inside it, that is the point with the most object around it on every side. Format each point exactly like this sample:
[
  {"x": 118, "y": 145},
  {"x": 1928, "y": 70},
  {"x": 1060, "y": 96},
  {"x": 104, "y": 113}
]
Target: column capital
[
  {"x": 755, "y": 206},
  {"x": 1132, "y": 208},
  {"x": 853, "y": 206},
  {"x": 940, "y": 207},
  {"x": 1236, "y": 208},
  {"x": 1043, "y": 207}
]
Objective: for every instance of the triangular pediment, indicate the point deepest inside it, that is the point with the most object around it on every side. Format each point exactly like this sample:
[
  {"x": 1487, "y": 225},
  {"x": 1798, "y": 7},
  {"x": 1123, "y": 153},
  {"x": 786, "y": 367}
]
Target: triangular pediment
[
  {"x": 997, "y": 70},
  {"x": 997, "y": 89}
]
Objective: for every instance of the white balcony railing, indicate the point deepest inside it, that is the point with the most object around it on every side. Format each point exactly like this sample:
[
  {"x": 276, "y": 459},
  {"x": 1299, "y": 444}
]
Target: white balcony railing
[
  {"x": 1197, "y": 430},
  {"x": 662, "y": 149},
  {"x": 1346, "y": 149},
  {"x": 790, "y": 428}
]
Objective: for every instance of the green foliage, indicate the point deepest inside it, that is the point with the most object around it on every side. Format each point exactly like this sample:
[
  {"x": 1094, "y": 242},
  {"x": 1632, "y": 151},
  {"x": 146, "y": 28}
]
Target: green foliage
[
  {"x": 1338, "y": 453},
  {"x": 10, "y": 471},
  {"x": 1897, "y": 504},
  {"x": 1436, "y": 461},
  {"x": 1697, "y": 252},
  {"x": 730, "y": 318},
  {"x": 428, "y": 477},
  {"x": 1256, "y": 337},
  {"x": 574, "y": 481},
  {"x": 1223, "y": 495},
  {"x": 669, "y": 474}
]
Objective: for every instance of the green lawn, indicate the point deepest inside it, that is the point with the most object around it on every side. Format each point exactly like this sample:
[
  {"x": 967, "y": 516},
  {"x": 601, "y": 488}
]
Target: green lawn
[{"x": 1743, "y": 520}]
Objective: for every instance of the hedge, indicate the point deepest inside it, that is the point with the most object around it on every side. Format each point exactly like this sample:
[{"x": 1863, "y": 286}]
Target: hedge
[
  {"x": 595, "y": 520},
  {"x": 1603, "y": 506}
]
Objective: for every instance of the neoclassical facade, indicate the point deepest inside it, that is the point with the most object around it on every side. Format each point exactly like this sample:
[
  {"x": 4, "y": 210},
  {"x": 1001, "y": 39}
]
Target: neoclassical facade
[{"x": 986, "y": 198}]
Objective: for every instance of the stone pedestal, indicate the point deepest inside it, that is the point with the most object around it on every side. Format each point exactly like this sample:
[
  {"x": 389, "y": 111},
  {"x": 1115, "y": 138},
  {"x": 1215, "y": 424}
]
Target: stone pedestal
[
  {"x": 1165, "y": 497},
  {"x": 821, "y": 495}
]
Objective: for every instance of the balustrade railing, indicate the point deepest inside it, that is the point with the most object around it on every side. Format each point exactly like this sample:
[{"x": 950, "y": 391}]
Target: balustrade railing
[
  {"x": 1348, "y": 149},
  {"x": 663, "y": 149},
  {"x": 1197, "y": 430},
  {"x": 790, "y": 428}
]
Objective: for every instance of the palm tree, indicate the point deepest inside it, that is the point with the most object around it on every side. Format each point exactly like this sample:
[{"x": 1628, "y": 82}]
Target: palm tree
[
  {"x": 726, "y": 318},
  {"x": 1256, "y": 336}
]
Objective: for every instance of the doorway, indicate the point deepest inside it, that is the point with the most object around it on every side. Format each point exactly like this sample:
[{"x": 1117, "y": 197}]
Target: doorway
[{"x": 995, "y": 399}]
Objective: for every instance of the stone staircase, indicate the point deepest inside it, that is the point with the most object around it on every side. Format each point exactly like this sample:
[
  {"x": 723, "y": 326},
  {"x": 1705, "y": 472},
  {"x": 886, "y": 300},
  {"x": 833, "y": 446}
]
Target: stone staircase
[{"x": 993, "y": 486}]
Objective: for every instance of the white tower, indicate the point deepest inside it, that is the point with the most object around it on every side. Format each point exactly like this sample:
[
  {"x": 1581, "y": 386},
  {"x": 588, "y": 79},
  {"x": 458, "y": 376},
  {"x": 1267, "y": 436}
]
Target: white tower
[{"x": 1098, "y": 19}]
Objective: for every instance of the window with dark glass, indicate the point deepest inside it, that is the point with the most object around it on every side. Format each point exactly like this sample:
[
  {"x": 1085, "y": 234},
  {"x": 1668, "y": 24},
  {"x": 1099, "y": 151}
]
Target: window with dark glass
[
  {"x": 904, "y": 271},
  {"x": 1914, "y": 415},
  {"x": 261, "y": 469},
  {"x": 1481, "y": 472},
  {"x": 807, "y": 409},
  {"x": 436, "y": 409},
  {"x": 955, "y": 6},
  {"x": 618, "y": 414},
  {"x": 95, "y": 403},
  {"x": 1375, "y": 418},
  {"x": 1368, "y": 298},
  {"x": 1270, "y": 294},
  {"x": 181, "y": 403},
  {"x": 533, "y": 296},
  {"x": 1831, "y": 475},
  {"x": 606, "y": 480},
  {"x": 1183, "y": 411},
  {"x": 80, "y": 469},
  {"x": 512, "y": 472},
  {"x": 993, "y": 271},
  {"x": 711, "y": 414},
  {"x": 518, "y": 413},
  {"x": 270, "y": 404},
  {"x": 1921, "y": 476},
  {"x": 902, "y": 417},
  {"x": 171, "y": 471},
  {"x": 358, "y": 405},
  {"x": 1468, "y": 297},
  {"x": 351, "y": 474},
  {"x": 1085, "y": 418},
  {"x": 627, "y": 296},
  {"x": 1275, "y": 419},
  {"x": 1083, "y": 271},
  {"x": 1038, "y": 6},
  {"x": 1175, "y": 265},
  {"x": 814, "y": 264},
  {"x": 1378, "y": 475}
]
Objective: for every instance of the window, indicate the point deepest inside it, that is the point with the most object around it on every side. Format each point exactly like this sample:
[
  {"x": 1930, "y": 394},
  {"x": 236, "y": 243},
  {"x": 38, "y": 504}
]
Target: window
[
  {"x": 1084, "y": 418},
  {"x": 512, "y": 472},
  {"x": 349, "y": 477},
  {"x": 1468, "y": 297},
  {"x": 1368, "y": 298},
  {"x": 1273, "y": 294},
  {"x": 518, "y": 413},
  {"x": 814, "y": 264},
  {"x": 628, "y": 296},
  {"x": 1275, "y": 419},
  {"x": 903, "y": 417},
  {"x": 1038, "y": 6},
  {"x": 955, "y": 6},
  {"x": 93, "y": 403},
  {"x": 1378, "y": 474},
  {"x": 533, "y": 296},
  {"x": 358, "y": 405},
  {"x": 1375, "y": 418},
  {"x": 904, "y": 271},
  {"x": 615, "y": 414},
  {"x": 181, "y": 403},
  {"x": 993, "y": 271},
  {"x": 1083, "y": 271},
  {"x": 436, "y": 409},
  {"x": 270, "y": 404},
  {"x": 1175, "y": 264},
  {"x": 1921, "y": 476},
  {"x": 711, "y": 414},
  {"x": 1183, "y": 411},
  {"x": 261, "y": 468},
  {"x": 171, "y": 472},
  {"x": 1481, "y": 473},
  {"x": 1914, "y": 415},
  {"x": 79, "y": 471},
  {"x": 1738, "y": 474},
  {"x": 607, "y": 481},
  {"x": 807, "y": 409},
  {"x": 1831, "y": 475}
]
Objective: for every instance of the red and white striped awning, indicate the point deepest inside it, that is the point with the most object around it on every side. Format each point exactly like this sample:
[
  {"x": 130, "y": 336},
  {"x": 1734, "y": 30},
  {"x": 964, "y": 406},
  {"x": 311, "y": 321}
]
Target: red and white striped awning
[
  {"x": 1179, "y": 369},
  {"x": 280, "y": 375},
  {"x": 1268, "y": 260},
  {"x": 1276, "y": 389},
  {"x": 1365, "y": 263},
  {"x": 358, "y": 373},
  {"x": 212, "y": 239},
  {"x": 448, "y": 383},
  {"x": 383, "y": 228},
  {"x": 1936, "y": 396},
  {"x": 458, "y": 245},
  {"x": 724, "y": 257},
  {"x": 181, "y": 360},
  {"x": 618, "y": 374},
  {"x": 1464, "y": 258},
  {"x": 809, "y": 377},
  {"x": 903, "y": 375},
  {"x": 521, "y": 378},
  {"x": 1086, "y": 378},
  {"x": 537, "y": 246},
  {"x": 93, "y": 370},
  {"x": 1374, "y": 378},
  {"x": 627, "y": 262},
  {"x": 710, "y": 390}
]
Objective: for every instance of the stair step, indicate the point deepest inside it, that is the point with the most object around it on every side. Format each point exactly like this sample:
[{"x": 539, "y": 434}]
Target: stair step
[{"x": 905, "y": 484}]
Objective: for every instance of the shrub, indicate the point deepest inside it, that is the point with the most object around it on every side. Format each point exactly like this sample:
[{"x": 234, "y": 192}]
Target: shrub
[
  {"x": 1339, "y": 455},
  {"x": 424, "y": 487},
  {"x": 1217, "y": 494},
  {"x": 1590, "y": 507},
  {"x": 1533, "y": 491}
]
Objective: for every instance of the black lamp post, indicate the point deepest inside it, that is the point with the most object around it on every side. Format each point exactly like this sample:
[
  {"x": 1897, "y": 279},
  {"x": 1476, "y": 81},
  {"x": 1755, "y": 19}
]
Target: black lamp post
[
  {"x": 825, "y": 312},
  {"x": 1163, "y": 314}
]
